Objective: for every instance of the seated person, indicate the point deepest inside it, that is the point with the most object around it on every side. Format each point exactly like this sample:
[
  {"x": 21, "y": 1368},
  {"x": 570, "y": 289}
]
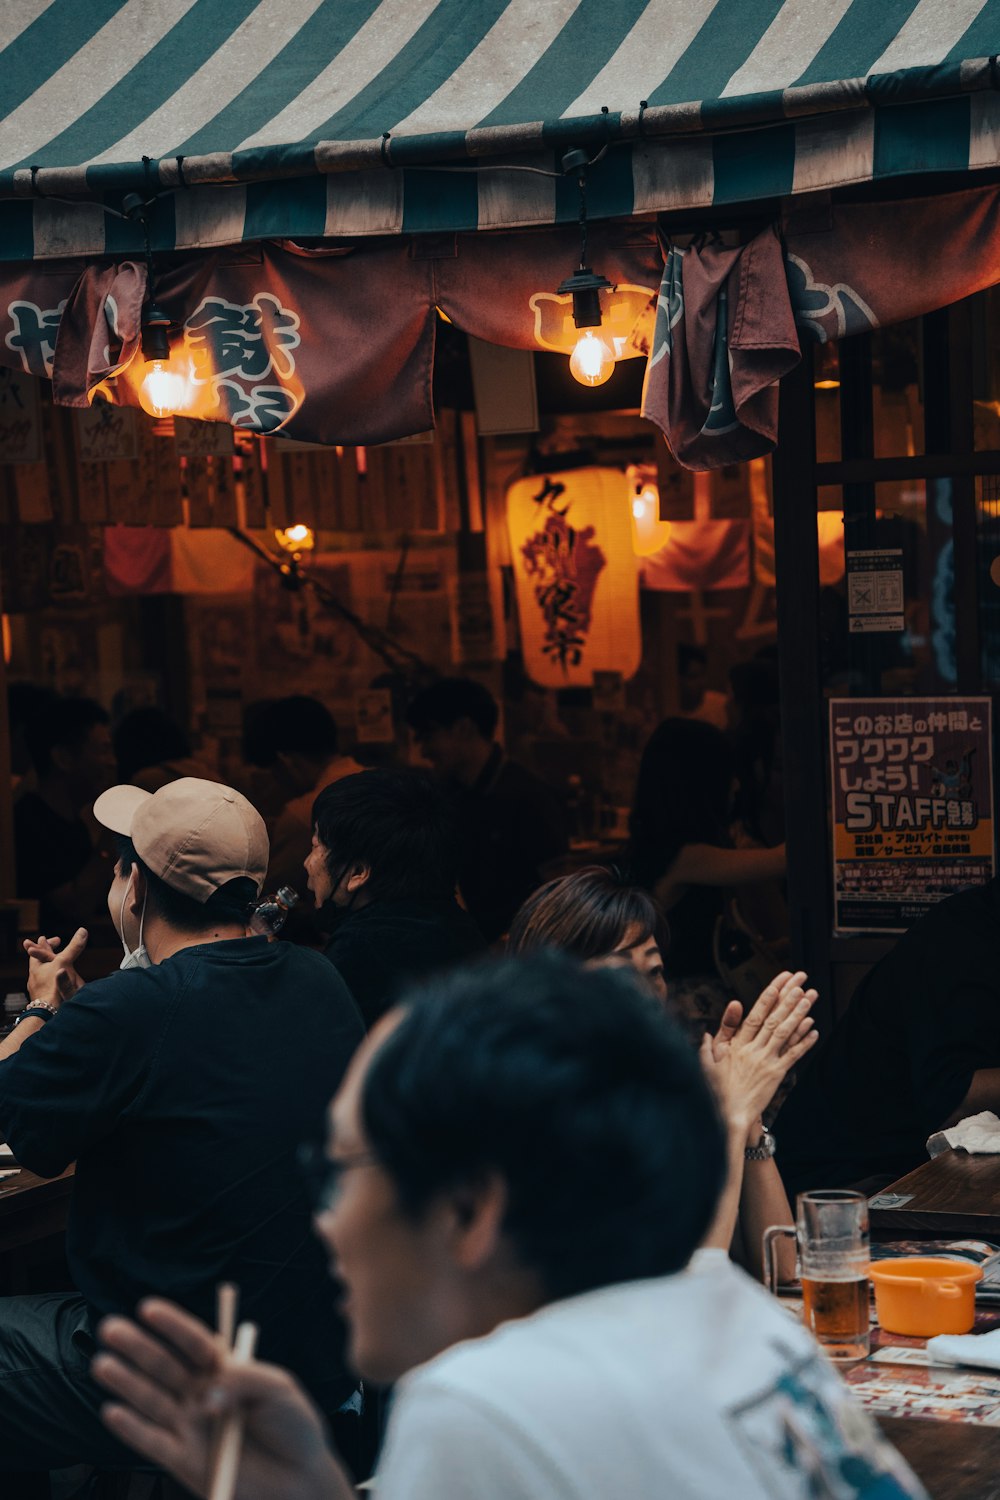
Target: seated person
[
  {"x": 383, "y": 870},
  {"x": 918, "y": 1049},
  {"x": 511, "y": 822},
  {"x": 604, "y": 922},
  {"x": 61, "y": 857},
  {"x": 182, "y": 1088},
  {"x": 523, "y": 1160},
  {"x": 302, "y": 734}
]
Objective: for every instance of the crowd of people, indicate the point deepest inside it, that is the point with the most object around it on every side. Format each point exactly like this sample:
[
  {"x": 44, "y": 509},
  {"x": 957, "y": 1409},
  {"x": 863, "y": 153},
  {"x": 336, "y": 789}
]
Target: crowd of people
[{"x": 533, "y": 1214}]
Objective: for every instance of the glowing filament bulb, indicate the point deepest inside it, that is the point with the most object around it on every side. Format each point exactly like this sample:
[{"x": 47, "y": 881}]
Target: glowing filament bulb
[
  {"x": 163, "y": 390},
  {"x": 593, "y": 360}
]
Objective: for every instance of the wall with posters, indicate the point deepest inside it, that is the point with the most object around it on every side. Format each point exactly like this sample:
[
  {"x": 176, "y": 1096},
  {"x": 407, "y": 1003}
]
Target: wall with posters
[{"x": 912, "y": 797}]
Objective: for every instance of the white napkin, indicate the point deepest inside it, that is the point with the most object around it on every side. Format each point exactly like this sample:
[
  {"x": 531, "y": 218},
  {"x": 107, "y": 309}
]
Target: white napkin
[
  {"x": 978, "y": 1133},
  {"x": 966, "y": 1349}
]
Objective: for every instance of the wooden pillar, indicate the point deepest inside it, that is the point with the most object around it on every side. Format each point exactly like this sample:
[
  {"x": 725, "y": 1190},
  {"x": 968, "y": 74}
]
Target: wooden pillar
[
  {"x": 7, "y": 891},
  {"x": 803, "y": 730}
]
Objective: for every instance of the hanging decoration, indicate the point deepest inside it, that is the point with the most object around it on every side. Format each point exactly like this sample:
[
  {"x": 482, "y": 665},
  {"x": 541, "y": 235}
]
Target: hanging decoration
[{"x": 576, "y": 576}]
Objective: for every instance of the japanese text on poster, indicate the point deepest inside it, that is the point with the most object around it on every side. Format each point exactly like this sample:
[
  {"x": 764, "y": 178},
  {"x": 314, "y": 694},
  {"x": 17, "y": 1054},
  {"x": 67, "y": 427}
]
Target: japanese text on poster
[{"x": 912, "y": 800}]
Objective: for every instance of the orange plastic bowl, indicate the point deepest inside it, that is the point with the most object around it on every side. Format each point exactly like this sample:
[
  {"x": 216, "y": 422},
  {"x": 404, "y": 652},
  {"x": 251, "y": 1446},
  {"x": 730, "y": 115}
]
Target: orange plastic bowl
[{"x": 922, "y": 1295}]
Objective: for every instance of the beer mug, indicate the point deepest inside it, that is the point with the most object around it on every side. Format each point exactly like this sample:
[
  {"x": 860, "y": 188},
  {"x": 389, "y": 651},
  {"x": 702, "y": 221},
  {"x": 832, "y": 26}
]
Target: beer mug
[{"x": 831, "y": 1232}]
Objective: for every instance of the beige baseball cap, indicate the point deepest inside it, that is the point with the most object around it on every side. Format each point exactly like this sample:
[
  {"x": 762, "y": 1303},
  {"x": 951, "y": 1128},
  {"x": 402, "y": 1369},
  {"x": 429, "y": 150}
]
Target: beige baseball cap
[{"x": 196, "y": 835}]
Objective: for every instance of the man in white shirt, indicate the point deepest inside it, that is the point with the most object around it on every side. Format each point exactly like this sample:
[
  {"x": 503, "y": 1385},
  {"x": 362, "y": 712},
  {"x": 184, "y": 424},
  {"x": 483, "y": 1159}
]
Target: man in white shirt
[{"x": 522, "y": 1161}]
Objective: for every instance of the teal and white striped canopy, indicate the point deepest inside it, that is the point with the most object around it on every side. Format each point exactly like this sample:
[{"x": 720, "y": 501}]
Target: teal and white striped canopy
[{"x": 297, "y": 118}]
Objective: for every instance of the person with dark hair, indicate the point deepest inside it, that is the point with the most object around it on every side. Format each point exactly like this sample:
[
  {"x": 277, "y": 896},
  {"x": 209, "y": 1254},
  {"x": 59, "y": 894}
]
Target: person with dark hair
[
  {"x": 680, "y": 849},
  {"x": 383, "y": 867},
  {"x": 523, "y": 1160},
  {"x": 60, "y": 856},
  {"x": 152, "y": 749},
  {"x": 182, "y": 1088},
  {"x": 512, "y": 823},
  {"x": 697, "y": 699},
  {"x": 916, "y": 1051},
  {"x": 25, "y": 700},
  {"x": 302, "y": 733},
  {"x": 598, "y": 918}
]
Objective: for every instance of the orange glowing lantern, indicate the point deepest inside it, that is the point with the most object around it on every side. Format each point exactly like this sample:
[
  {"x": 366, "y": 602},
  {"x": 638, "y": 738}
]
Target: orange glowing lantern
[{"x": 576, "y": 576}]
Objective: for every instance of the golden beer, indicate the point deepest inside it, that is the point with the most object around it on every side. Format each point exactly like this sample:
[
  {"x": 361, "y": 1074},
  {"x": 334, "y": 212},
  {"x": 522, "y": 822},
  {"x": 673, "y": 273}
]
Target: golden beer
[{"x": 835, "y": 1310}]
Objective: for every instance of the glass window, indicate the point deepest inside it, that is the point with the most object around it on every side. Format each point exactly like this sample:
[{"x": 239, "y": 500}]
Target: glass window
[{"x": 887, "y": 615}]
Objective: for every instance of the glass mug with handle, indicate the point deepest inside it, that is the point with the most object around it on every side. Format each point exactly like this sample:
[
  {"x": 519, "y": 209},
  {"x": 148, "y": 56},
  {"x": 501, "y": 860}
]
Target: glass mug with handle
[{"x": 831, "y": 1232}]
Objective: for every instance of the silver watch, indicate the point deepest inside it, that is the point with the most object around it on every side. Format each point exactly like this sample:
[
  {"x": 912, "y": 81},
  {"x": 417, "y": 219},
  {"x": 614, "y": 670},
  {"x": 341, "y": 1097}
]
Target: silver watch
[{"x": 764, "y": 1149}]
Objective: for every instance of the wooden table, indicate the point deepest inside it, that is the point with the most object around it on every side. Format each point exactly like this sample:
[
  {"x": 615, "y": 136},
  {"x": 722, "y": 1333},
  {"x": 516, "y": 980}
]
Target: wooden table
[
  {"x": 32, "y": 1210},
  {"x": 954, "y": 1194},
  {"x": 954, "y": 1460}
]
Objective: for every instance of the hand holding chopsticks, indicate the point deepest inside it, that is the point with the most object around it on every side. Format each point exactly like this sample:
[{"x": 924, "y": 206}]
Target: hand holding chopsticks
[
  {"x": 240, "y": 1343},
  {"x": 174, "y": 1393}
]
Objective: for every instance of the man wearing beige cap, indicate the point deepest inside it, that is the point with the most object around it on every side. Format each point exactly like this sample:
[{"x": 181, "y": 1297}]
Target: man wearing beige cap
[{"x": 182, "y": 1088}]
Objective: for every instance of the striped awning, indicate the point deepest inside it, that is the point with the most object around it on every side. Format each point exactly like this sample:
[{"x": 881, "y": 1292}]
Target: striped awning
[{"x": 260, "y": 119}]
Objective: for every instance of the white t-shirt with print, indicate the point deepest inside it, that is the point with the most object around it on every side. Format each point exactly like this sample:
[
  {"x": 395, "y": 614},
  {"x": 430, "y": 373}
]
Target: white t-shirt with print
[{"x": 698, "y": 1386}]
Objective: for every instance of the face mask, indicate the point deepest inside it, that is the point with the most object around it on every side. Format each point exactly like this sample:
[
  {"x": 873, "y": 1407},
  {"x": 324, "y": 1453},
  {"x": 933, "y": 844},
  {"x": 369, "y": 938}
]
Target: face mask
[
  {"x": 135, "y": 958},
  {"x": 330, "y": 915}
]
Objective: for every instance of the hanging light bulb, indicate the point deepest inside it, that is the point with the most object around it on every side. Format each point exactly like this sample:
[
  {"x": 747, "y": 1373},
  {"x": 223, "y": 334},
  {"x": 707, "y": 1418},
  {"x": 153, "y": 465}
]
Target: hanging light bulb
[
  {"x": 593, "y": 360},
  {"x": 163, "y": 391},
  {"x": 166, "y": 387}
]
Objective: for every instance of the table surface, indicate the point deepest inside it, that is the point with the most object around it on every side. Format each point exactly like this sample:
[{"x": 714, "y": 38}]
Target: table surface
[
  {"x": 31, "y": 1207},
  {"x": 953, "y": 1194},
  {"x": 955, "y": 1461}
]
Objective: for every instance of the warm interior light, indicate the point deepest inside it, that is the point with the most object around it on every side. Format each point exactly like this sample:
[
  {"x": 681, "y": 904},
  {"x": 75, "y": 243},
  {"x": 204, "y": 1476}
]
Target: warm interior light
[
  {"x": 593, "y": 360},
  {"x": 649, "y": 533},
  {"x": 295, "y": 539},
  {"x": 164, "y": 389},
  {"x": 827, "y": 368}
]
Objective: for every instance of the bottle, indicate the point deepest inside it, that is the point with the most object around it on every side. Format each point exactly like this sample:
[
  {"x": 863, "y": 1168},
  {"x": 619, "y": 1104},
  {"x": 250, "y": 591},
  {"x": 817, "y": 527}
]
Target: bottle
[{"x": 269, "y": 915}]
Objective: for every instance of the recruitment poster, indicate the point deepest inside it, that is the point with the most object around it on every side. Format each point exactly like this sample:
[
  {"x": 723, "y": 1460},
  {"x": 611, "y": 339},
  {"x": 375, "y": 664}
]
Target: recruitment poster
[{"x": 912, "y": 800}]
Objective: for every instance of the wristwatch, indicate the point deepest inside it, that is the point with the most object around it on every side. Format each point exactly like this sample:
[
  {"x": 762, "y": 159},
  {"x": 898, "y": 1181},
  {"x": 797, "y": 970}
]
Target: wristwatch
[{"x": 764, "y": 1149}]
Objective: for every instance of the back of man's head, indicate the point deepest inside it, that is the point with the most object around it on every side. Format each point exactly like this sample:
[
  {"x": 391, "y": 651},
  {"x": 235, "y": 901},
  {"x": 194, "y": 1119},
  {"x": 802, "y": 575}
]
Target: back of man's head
[
  {"x": 60, "y": 724},
  {"x": 145, "y": 737},
  {"x": 452, "y": 698},
  {"x": 297, "y": 725},
  {"x": 202, "y": 847},
  {"x": 397, "y": 822},
  {"x": 577, "y": 1091}
]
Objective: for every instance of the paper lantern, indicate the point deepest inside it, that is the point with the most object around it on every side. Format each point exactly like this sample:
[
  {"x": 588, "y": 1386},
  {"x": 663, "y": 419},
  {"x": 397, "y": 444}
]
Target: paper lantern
[
  {"x": 649, "y": 533},
  {"x": 576, "y": 575}
]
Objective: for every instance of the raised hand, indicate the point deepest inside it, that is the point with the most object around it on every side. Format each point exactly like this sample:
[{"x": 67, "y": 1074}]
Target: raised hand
[
  {"x": 52, "y": 974},
  {"x": 747, "y": 1059},
  {"x": 172, "y": 1382}
]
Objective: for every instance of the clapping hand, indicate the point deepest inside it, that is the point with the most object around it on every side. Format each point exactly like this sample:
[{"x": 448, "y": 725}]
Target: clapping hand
[
  {"x": 52, "y": 974},
  {"x": 747, "y": 1058},
  {"x": 172, "y": 1382}
]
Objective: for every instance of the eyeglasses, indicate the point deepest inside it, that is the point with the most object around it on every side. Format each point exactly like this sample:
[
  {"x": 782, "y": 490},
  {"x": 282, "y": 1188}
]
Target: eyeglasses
[{"x": 323, "y": 1174}]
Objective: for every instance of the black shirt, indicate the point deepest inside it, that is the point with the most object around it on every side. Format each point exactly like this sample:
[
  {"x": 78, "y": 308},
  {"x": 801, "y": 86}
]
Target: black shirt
[
  {"x": 901, "y": 1059},
  {"x": 378, "y": 949},
  {"x": 183, "y": 1092},
  {"x": 512, "y": 823}
]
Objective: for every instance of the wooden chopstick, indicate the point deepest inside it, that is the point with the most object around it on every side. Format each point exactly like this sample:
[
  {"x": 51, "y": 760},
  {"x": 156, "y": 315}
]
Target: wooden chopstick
[
  {"x": 227, "y": 1297},
  {"x": 227, "y": 1457}
]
